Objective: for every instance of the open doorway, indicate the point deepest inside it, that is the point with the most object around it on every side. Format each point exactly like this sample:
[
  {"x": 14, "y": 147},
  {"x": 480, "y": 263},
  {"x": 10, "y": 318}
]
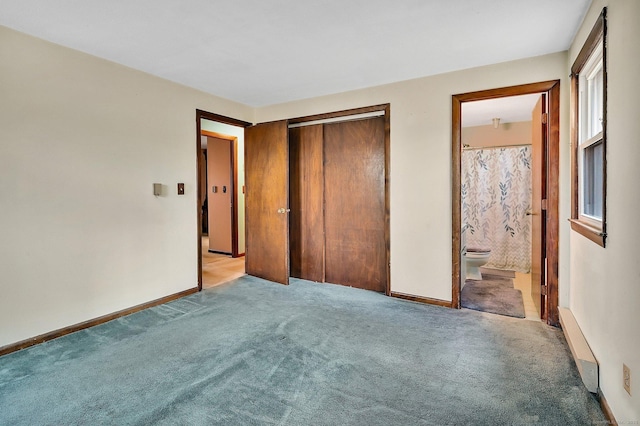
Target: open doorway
[
  {"x": 535, "y": 211},
  {"x": 502, "y": 140},
  {"x": 220, "y": 209}
]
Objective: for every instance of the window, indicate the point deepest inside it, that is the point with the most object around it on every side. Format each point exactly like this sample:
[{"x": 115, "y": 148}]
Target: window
[{"x": 589, "y": 95}]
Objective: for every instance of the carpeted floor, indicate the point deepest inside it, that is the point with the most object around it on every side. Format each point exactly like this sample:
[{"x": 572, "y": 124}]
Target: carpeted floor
[
  {"x": 256, "y": 353},
  {"x": 494, "y": 294}
]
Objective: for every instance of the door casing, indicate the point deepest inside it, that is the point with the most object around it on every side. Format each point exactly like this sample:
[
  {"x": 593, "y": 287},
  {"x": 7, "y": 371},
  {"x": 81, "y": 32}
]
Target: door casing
[
  {"x": 552, "y": 90},
  {"x": 200, "y": 114}
]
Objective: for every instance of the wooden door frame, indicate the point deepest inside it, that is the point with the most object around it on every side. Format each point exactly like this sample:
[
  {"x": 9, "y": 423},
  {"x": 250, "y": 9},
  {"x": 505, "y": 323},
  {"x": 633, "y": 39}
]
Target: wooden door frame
[
  {"x": 200, "y": 114},
  {"x": 552, "y": 90},
  {"x": 386, "y": 109}
]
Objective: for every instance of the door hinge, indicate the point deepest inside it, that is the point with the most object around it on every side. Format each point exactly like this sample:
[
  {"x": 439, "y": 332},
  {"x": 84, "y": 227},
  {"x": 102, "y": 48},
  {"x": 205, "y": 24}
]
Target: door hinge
[
  {"x": 544, "y": 118},
  {"x": 543, "y": 290},
  {"x": 543, "y": 204}
]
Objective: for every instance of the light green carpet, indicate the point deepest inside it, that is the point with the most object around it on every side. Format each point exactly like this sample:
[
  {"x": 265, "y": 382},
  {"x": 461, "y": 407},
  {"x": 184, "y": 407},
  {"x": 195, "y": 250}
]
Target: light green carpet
[{"x": 254, "y": 353}]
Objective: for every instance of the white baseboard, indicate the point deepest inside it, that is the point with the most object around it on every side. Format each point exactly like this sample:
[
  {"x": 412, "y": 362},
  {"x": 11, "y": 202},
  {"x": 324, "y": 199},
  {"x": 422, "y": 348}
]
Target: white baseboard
[{"x": 586, "y": 362}]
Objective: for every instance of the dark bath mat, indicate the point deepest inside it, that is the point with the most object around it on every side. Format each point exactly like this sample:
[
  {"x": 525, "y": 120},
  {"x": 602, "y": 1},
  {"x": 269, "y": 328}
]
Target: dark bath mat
[
  {"x": 502, "y": 273},
  {"x": 495, "y": 295}
]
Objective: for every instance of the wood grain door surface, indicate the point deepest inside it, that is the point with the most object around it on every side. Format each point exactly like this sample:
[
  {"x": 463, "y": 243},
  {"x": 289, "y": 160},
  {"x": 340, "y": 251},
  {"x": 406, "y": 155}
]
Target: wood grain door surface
[
  {"x": 220, "y": 209},
  {"x": 266, "y": 201},
  {"x": 538, "y": 193},
  {"x": 354, "y": 192},
  {"x": 306, "y": 197}
]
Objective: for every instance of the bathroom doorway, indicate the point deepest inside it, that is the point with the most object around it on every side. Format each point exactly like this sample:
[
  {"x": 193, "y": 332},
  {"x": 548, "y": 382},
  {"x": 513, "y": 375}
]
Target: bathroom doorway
[
  {"x": 220, "y": 209},
  {"x": 503, "y": 213},
  {"x": 499, "y": 139}
]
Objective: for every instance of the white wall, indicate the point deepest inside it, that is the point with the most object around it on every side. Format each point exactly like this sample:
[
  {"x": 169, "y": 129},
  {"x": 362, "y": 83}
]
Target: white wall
[
  {"x": 605, "y": 282},
  {"x": 226, "y": 129},
  {"x": 518, "y": 133},
  {"x": 421, "y": 162},
  {"x": 81, "y": 142}
]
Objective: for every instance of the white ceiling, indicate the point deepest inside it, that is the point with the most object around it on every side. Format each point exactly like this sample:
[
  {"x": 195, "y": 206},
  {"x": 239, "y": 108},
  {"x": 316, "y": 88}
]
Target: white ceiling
[
  {"x": 511, "y": 109},
  {"x": 260, "y": 52}
]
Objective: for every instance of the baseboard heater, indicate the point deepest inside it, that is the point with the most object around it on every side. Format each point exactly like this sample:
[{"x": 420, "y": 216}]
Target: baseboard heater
[{"x": 586, "y": 362}]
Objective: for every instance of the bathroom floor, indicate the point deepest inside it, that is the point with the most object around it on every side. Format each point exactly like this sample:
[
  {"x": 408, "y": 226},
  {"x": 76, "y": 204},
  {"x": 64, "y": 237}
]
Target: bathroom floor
[{"x": 523, "y": 283}]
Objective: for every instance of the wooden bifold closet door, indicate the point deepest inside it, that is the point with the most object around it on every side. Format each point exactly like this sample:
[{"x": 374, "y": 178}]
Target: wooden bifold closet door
[
  {"x": 306, "y": 200},
  {"x": 337, "y": 198}
]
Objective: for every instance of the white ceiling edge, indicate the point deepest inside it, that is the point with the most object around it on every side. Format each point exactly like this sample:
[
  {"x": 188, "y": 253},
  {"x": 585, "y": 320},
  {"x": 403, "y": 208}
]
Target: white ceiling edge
[{"x": 262, "y": 53}]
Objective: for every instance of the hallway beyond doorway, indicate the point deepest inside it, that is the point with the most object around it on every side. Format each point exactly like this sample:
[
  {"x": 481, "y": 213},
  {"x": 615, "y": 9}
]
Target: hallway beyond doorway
[{"x": 219, "y": 268}]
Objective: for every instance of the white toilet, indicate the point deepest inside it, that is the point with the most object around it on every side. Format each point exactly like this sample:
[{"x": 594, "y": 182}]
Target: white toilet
[{"x": 474, "y": 259}]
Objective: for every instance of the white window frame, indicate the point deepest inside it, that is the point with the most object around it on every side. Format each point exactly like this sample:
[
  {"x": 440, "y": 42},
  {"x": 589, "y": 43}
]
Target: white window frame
[{"x": 590, "y": 121}]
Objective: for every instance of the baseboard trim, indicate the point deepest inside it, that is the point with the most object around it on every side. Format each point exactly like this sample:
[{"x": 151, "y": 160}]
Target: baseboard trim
[
  {"x": 606, "y": 410},
  {"x": 583, "y": 356},
  {"x": 226, "y": 253},
  {"x": 90, "y": 323},
  {"x": 420, "y": 299}
]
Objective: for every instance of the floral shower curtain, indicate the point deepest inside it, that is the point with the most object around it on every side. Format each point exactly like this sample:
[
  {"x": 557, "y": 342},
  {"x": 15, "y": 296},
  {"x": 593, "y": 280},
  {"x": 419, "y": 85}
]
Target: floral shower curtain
[{"x": 496, "y": 195}]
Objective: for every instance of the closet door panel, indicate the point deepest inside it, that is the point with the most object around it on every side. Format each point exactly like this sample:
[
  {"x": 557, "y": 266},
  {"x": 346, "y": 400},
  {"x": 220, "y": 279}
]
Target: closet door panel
[
  {"x": 266, "y": 201},
  {"x": 355, "y": 245},
  {"x": 306, "y": 226}
]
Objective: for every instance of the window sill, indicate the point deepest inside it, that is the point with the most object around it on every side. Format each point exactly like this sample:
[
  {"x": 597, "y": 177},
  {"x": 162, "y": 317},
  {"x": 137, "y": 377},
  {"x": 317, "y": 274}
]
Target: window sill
[{"x": 594, "y": 234}]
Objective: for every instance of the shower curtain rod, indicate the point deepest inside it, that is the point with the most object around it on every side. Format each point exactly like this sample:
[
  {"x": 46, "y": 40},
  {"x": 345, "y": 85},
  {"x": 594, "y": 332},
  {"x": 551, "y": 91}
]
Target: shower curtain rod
[{"x": 472, "y": 148}]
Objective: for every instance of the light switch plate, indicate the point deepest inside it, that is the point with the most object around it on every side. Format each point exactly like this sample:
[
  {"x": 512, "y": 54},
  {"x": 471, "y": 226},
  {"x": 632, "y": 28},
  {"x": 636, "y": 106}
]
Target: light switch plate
[
  {"x": 157, "y": 189},
  {"x": 181, "y": 189}
]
